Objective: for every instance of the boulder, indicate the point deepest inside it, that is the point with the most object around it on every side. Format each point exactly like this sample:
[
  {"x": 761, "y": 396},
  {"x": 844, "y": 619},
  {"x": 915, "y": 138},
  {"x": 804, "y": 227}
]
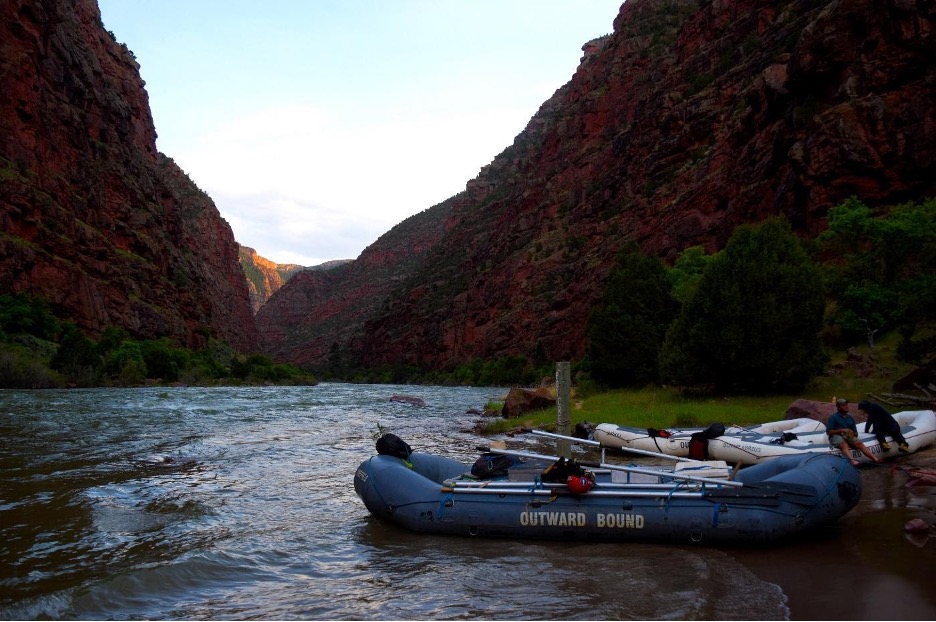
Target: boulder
[
  {"x": 820, "y": 411},
  {"x": 408, "y": 399},
  {"x": 923, "y": 376},
  {"x": 519, "y": 401},
  {"x": 917, "y": 525}
]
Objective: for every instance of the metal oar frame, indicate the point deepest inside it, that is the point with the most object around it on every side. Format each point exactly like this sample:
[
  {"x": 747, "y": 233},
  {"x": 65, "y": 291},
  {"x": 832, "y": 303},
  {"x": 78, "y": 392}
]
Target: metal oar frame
[{"x": 605, "y": 489}]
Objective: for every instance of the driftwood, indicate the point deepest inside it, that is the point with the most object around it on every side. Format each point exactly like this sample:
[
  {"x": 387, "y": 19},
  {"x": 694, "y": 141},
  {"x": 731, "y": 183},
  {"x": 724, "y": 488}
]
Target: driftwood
[{"x": 927, "y": 400}]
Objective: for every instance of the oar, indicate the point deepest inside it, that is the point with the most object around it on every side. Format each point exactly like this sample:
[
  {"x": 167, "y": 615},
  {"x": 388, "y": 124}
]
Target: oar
[
  {"x": 616, "y": 493},
  {"x": 632, "y": 450},
  {"x": 615, "y": 467},
  {"x": 525, "y": 485}
]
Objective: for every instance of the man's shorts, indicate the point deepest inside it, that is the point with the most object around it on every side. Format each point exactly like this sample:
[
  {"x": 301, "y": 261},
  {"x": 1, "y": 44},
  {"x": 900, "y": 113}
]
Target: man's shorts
[{"x": 836, "y": 439}]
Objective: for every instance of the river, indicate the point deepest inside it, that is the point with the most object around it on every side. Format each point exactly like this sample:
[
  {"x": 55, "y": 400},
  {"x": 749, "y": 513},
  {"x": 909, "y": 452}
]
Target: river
[{"x": 237, "y": 503}]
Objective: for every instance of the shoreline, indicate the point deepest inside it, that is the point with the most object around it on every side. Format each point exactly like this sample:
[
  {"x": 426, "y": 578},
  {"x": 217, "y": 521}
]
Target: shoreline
[{"x": 866, "y": 566}]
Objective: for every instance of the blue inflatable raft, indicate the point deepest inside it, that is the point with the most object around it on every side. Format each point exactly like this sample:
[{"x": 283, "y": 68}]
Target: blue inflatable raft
[{"x": 762, "y": 504}]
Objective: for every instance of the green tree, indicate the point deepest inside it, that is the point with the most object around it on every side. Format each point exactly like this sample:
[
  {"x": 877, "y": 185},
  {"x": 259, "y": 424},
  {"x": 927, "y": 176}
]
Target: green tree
[
  {"x": 878, "y": 270},
  {"x": 468, "y": 373},
  {"x": 76, "y": 357},
  {"x": 918, "y": 328},
  {"x": 24, "y": 314},
  {"x": 164, "y": 360},
  {"x": 753, "y": 323},
  {"x": 111, "y": 339},
  {"x": 687, "y": 272},
  {"x": 126, "y": 363},
  {"x": 506, "y": 371},
  {"x": 625, "y": 333},
  {"x": 865, "y": 310}
]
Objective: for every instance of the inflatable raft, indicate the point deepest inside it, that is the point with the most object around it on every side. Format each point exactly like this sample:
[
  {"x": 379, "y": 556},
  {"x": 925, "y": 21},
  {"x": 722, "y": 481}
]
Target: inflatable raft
[
  {"x": 677, "y": 441},
  {"x": 433, "y": 494},
  {"x": 917, "y": 426}
]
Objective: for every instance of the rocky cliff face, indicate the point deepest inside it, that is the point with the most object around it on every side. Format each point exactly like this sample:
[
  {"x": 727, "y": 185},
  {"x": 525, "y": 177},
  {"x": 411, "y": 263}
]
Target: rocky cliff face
[
  {"x": 93, "y": 218},
  {"x": 265, "y": 277},
  {"x": 320, "y": 314},
  {"x": 691, "y": 119}
]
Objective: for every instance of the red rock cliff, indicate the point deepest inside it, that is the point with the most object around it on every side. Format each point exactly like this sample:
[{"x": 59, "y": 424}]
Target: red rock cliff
[
  {"x": 93, "y": 218},
  {"x": 695, "y": 117},
  {"x": 319, "y": 314},
  {"x": 264, "y": 277}
]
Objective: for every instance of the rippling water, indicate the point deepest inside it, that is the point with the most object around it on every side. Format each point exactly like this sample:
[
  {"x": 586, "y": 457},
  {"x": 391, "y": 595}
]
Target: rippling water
[{"x": 235, "y": 503}]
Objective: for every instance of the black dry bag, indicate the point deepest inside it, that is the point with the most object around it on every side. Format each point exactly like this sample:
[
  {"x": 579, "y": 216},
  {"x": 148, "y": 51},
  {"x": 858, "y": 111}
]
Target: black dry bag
[
  {"x": 491, "y": 465},
  {"x": 393, "y": 445}
]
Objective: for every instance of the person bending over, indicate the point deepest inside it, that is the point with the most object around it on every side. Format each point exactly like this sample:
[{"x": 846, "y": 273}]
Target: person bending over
[
  {"x": 883, "y": 424},
  {"x": 843, "y": 433}
]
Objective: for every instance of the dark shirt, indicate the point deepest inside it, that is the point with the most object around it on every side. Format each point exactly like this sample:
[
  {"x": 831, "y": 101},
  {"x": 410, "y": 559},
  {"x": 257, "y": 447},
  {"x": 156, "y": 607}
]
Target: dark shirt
[
  {"x": 879, "y": 420},
  {"x": 839, "y": 420}
]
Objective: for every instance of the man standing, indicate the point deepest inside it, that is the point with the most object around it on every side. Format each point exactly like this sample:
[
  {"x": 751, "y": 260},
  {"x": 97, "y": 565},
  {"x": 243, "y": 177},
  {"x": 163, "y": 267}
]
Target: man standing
[{"x": 843, "y": 433}]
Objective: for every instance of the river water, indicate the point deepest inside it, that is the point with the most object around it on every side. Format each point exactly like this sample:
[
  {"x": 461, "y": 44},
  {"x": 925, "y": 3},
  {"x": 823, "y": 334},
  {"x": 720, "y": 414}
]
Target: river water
[{"x": 237, "y": 503}]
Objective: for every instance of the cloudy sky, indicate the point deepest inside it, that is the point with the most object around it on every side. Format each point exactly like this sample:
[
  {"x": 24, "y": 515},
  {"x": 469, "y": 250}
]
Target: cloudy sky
[{"x": 317, "y": 125}]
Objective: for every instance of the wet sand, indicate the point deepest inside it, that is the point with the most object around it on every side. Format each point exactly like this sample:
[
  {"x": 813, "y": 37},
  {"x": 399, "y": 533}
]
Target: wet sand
[{"x": 866, "y": 567}]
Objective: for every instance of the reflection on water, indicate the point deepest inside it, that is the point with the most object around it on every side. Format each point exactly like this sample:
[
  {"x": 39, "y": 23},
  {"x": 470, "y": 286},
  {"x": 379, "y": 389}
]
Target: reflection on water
[
  {"x": 866, "y": 567},
  {"x": 237, "y": 503},
  {"x": 539, "y": 580}
]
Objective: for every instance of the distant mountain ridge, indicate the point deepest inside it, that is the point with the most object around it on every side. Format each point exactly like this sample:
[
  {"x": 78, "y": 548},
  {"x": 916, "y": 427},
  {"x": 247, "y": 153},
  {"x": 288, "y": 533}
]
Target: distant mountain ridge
[
  {"x": 320, "y": 314},
  {"x": 691, "y": 119},
  {"x": 264, "y": 277}
]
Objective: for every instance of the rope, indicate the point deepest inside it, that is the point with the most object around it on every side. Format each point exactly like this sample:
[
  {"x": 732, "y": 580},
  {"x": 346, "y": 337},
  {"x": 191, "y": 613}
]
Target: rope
[
  {"x": 376, "y": 489},
  {"x": 537, "y": 484},
  {"x": 445, "y": 498},
  {"x": 669, "y": 497},
  {"x": 389, "y": 507},
  {"x": 911, "y": 470},
  {"x": 716, "y": 509}
]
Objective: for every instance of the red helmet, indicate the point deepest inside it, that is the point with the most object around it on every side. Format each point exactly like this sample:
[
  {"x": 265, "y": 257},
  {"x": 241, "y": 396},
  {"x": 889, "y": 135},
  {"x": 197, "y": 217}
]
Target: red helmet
[{"x": 579, "y": 484}]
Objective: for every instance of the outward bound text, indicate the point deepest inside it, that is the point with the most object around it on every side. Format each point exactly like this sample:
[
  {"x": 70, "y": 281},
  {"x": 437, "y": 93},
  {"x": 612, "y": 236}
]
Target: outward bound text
[{"x": 621, "y": 520}]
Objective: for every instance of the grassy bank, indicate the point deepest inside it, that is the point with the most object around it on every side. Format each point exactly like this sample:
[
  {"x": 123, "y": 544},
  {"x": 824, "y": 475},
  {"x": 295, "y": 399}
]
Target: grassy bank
[{"x": 872, "y": 372}]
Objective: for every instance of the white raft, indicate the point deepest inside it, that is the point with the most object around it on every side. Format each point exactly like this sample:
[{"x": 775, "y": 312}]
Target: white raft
[
  {"x": 917, "y": 426},
  {"x": 675, "y": 441}
]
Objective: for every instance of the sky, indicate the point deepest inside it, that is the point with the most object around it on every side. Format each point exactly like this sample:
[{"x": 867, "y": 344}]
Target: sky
[{"x": 318, "y": 125}]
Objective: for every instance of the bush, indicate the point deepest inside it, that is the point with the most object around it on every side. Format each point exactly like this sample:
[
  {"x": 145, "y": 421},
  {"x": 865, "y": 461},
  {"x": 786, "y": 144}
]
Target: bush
[
  {"x": 753, "y": 323},
  {"x": 31, "y": 358},
  {"x": 625, "y": 333},
  {"x": 22, "y": 313},
  {"x": 126, "y": 363},
  {"x": 77, "y": 358},
  {"x": 19, "y": 369},
  {"x": 163, "y": 359},
  {"x": 879, "y": 269}
]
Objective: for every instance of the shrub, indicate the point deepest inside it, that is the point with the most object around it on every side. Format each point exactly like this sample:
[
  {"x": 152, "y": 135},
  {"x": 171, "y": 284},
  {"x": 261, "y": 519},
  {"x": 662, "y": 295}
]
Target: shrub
[
  {"x": 879, "y": 269},
  {"x": 625, "y": 333},
  {"x": 22, "y": 313},
  {"x": 19, "y": 369},
  {"x": 753, "y": 323},
  {"x": 126, "y": 363},
  {"x": 76, "y": 357}
]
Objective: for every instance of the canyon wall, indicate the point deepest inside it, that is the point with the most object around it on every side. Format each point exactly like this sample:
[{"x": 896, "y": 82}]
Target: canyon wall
[
  {"x": 92, "y": 217},
  {"x": 691, "y": 119}
]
